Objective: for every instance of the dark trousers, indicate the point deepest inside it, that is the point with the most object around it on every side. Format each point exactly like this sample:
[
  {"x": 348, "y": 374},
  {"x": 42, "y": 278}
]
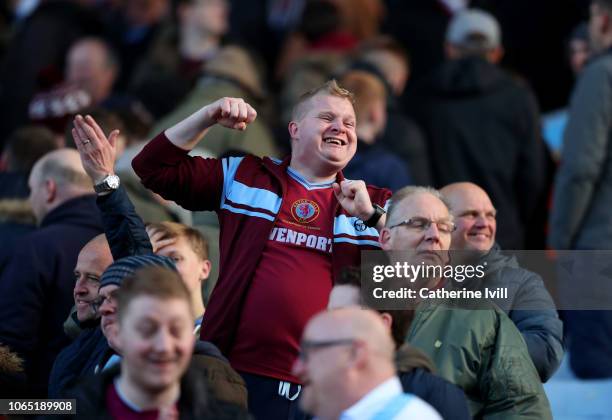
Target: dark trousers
[{"x": 273, "y": 399}]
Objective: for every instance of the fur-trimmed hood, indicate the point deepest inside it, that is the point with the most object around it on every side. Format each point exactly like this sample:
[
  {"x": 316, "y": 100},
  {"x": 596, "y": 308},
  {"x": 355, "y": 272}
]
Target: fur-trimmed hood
[
  {"x": 10, "y": 362},
  {"x": 16, "y": 211}
]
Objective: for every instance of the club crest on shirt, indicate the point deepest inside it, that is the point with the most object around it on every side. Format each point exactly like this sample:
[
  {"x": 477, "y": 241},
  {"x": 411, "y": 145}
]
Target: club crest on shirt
[{"x": 305, "y": 211}]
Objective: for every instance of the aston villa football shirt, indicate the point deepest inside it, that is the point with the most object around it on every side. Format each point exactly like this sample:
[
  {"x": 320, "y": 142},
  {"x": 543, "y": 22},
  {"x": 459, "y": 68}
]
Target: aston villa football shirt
[{"x": 291, "y": 284}]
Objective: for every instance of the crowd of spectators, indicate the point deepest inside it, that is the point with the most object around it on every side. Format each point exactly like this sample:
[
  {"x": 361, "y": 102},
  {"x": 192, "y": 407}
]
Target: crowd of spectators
[{"x": 187, "y": 189}]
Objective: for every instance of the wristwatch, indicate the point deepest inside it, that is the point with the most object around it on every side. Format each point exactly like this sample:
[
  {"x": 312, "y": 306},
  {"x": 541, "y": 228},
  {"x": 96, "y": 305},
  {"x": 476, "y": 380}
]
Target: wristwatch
[
  {"x": 378, "y": 212},
  {"x": 110, "y": 183}
]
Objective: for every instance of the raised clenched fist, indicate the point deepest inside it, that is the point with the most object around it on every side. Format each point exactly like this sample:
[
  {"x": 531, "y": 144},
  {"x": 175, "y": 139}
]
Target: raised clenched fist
[{"x": 232, "y": 113}]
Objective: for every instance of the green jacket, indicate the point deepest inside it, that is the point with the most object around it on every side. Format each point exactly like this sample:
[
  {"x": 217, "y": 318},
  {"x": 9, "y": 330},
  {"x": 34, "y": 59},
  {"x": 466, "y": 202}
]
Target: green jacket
[{"x": 481, "y": 351}]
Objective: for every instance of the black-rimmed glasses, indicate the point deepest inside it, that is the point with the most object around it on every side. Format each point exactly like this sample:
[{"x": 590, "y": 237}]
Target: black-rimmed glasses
[{"x": 309, "y": 345}]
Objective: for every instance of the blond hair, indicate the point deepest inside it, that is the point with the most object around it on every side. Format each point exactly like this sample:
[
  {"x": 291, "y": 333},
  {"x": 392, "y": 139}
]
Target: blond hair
[
  {"x": 330, "y": 87},
  {"x": 195, "y": 239}
]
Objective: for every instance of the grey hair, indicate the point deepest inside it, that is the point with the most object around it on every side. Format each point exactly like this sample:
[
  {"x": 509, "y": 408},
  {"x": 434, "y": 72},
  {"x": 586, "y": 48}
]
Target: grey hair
[
  {"x": 63, "y": 175},
  {"x": 410, "y": 191}
]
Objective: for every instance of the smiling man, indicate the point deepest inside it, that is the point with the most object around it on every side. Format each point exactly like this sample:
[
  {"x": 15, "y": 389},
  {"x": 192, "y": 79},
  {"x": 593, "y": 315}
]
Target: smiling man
[
  {"x": 494, "y": 369},
  {"x": 154, "y": 379},
  {"x": 288, "y": 229},
  {"x": 529, "y": 304},
  {"x": 93, "y": 259},
  {"x": 346, "y": 366},
  {"x": 80, "y": 357},
  {"x": 106, "y": 303}
]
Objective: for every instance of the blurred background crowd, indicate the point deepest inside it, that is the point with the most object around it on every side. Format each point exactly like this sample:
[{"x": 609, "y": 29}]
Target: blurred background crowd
[
  {"x": 142, "y": 65},
  {"x": 428, "y": 113}
]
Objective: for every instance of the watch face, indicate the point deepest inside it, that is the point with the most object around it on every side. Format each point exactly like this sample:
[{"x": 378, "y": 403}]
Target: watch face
[{"x": 113, "y": 182}]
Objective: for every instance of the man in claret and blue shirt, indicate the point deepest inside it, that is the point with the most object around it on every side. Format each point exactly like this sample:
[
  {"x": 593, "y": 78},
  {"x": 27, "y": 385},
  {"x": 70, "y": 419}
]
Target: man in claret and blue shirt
[{"x": 288, "y": 228}]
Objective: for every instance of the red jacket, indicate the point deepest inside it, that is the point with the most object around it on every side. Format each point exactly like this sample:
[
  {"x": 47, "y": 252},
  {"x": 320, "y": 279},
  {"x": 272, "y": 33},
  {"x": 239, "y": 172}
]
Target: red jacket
[{"x": 246, "y": 193}]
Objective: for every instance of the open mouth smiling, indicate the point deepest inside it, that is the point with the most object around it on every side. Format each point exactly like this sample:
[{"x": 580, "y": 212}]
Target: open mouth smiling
[{"x": 335, "y": 141}]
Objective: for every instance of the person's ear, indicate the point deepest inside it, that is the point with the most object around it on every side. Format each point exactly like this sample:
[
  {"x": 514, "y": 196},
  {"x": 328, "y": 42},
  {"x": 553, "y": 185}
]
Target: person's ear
[
  {"x": 205, "y": 267},
  {"x": 359, "y": 354},
  {"x": 50, "y": 190},
  {"x": 387, "y": 319},
  {"x": 495, "y": 55},
  {"x": 385, "y": 238},
  {"x": 293, "y": 129}
]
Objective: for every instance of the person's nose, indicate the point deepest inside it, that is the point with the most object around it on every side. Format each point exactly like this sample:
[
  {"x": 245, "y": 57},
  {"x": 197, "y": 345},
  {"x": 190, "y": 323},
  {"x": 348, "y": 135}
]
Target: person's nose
[
  {"x": 107, "y": 307},
  {"x": 79, "y": 286},
  {"x": 432, "y": 233},
  {"x": 481, "y": 221},
  {"x": 337, "y": 126},
  {"x": 163, "y": 341}
]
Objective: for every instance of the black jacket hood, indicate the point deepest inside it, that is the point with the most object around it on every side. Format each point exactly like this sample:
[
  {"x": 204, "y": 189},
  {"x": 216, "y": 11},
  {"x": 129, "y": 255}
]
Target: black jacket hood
[{"x": 466, "y": 77}]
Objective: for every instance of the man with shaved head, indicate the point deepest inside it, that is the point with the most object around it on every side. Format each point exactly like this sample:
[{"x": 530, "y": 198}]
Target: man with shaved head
[
  {"x": 36, "y": 287},
  {"x": 529, "y": 304},
  {"x": 347, "y": 370},
  {"x": 80, "y": 357}
]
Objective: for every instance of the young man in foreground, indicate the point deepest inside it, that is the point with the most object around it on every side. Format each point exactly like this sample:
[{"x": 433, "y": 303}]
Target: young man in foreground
[{"x": 155, "y": 334}]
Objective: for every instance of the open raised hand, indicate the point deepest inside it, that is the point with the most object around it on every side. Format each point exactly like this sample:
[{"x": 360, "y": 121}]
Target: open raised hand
[{"x": 98, "y": 153}]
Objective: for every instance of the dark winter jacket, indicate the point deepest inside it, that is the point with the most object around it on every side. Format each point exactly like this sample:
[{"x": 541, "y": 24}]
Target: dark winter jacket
[
  {"x": 583, "y": 188},
  {"x": 590, "y": 343},
  {"x": 416, "y": 373},
  {"x": 16, "y": 220},
  {"x": 127, "y": 236},
  {"x": 37, "y": 283},
  {"x": 124, "y": 228},
  {"x": 77, "y": 360},
  {"x": 482, "y": 127},
  {"x": 195, "y": 402},
  {"x": 530, "y": 307},
  {"x": 224, "y": 382}
]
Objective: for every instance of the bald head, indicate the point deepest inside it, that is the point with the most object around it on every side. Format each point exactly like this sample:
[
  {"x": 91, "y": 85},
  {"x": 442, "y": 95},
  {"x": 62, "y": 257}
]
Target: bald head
[
  {"x": 457, "y": 190},
  {"x": 474, "y": 215},
  {"x": 56, "y": 178},
  {"x": 100, "y": 248},
  {"x": 93, "y": 259},
  {"x": 353, "y": 322},
  {"x": 345, "y": 354}
]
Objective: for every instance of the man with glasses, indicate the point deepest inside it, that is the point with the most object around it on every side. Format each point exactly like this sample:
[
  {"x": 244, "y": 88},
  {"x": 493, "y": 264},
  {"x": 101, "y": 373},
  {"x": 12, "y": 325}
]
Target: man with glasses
[
  {"x": 106, "y": 304},
  {"x": 529, "y": 305},
  {"x": 347, "y": 371},
  {"x": 480, "y": 350}
]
